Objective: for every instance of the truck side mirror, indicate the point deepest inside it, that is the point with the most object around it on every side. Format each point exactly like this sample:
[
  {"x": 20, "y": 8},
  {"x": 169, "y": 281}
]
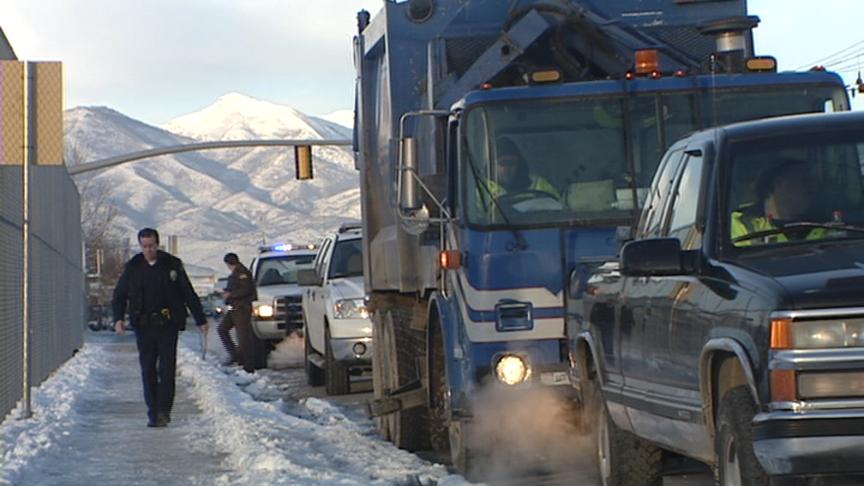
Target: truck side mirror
[
  {"x": 652, "y": 257},
  {"x": 309, "y": 278},
  {"x": 409, "y": 197}
]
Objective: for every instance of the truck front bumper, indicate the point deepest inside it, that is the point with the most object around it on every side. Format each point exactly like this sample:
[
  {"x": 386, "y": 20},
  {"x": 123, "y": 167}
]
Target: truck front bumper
[
  {"x": 811, "y": 443},
  {"x": 269, "y": 329},
  {"x": 352, "y": 351}
]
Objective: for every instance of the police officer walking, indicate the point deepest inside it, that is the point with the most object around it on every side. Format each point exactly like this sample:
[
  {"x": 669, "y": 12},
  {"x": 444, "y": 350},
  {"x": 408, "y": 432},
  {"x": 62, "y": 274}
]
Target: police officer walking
[
  {"x": 239, "y": 295},
  {"x": 158, "y": 291}
]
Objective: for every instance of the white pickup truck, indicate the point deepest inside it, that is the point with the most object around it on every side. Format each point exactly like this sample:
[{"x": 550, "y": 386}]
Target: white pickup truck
[{"x": 337, "y": 326}]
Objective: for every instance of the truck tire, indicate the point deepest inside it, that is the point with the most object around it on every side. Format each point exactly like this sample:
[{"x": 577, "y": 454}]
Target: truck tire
[
  {"x": 622, "y": 459},
  {"x": 336, "y": 373},
  {"x": 736, "y": 461},
  {"x": 462, "y": 455},
  {"x": 314, "y": 374},
  {"x": 439, "y": 413},
  {"x": 394, "y": 364}
]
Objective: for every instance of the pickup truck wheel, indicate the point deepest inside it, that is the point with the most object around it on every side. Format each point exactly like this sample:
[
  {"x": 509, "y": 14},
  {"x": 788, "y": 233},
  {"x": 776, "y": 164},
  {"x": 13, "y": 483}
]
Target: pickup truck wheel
[
  {"x": 260, "y": 350},
  {"x": 336, "y": 373},
  {"x": 314, "y": 374},
  {"x": 622, "y": 459},
  {"x": 736, "y": 462},
  {"x": 397, "y": 348}
]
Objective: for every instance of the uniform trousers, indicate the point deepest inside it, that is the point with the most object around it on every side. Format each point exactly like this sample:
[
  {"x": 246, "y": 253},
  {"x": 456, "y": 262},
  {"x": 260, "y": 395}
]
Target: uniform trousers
[
  {"x": 157, "y": 354},
  {"x": 239, "y": 318}
]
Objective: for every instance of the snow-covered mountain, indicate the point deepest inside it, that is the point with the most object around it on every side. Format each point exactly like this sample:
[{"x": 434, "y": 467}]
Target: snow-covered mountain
[{"x": 219, "y": 200}]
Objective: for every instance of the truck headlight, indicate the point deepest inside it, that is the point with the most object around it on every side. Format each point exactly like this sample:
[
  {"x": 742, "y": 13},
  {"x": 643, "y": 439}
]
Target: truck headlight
[
  {"x": 264, "y": 311},
  {"x": 350, "y": 309},
  {"x": 817, "y": 334},
  {"x": 512, "y": 369}
]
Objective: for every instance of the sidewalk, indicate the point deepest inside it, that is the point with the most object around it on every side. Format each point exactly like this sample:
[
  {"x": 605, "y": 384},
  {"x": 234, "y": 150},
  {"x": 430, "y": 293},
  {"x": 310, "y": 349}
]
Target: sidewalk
[{"x": 109, "y": 442}]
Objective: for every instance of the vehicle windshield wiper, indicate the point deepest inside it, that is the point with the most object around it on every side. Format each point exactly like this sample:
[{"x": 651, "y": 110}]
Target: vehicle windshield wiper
[
  {"x": 801, "y": 225},
  {"x": 521, "y": 244}
]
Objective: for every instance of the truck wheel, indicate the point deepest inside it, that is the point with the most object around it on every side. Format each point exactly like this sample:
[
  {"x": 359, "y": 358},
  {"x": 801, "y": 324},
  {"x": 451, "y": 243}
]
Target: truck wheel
[
  {"x": 439, "y": 413},
  {"x": 622, "y": 459},
  {"x": 336, "y": 372},
  {"x": 736, "y": 461},
  {"x": 397, "y": 348},
  {"x": 462, "y": 455},
  {"x": 314, "y": 374}
]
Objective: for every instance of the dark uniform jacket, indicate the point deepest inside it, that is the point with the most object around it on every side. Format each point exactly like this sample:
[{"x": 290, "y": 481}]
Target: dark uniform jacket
[
  {"x": 241, "y": 286},
  {"x": 149, "y": 290}
]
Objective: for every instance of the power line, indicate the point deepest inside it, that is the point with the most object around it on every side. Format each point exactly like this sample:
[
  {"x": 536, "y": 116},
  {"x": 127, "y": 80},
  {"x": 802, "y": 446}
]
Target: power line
[{"x": 830, "y": 57}]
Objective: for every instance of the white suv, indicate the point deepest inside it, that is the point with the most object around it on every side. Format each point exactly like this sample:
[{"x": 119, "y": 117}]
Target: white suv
[
  {"x": 338, "y": 329},
  {"x": 277, "y": 312}
]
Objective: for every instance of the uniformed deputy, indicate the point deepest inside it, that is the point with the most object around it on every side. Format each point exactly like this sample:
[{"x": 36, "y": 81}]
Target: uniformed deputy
[
  {"x": 158, "y": 292},
  {"x": 239, "y": 295}
]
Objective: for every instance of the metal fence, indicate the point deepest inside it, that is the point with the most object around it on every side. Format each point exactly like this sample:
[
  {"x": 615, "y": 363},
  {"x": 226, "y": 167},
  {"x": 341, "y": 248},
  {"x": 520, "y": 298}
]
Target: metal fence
[{"x": 57, "y": 294}]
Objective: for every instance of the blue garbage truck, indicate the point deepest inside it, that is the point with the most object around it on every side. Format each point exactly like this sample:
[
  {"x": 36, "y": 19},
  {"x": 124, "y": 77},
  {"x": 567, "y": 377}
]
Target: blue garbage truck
[{"x": 503, "y": 147}]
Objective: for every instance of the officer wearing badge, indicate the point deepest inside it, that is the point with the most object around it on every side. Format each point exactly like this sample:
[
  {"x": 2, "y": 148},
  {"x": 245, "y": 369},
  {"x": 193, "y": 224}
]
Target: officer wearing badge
[
  {"x": 157, "y": 290},
  {"x": 239, "y": 295}
]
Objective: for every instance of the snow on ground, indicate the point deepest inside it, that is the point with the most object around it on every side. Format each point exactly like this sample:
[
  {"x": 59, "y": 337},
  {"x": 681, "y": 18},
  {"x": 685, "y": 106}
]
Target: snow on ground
[
  {"x": 53, "y": 403},
  {"x": 244, "y": 420}
]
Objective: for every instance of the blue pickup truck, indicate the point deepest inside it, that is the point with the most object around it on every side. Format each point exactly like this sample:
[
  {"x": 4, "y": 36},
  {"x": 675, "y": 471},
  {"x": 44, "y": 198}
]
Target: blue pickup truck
[{"x": 731, "y": 329}]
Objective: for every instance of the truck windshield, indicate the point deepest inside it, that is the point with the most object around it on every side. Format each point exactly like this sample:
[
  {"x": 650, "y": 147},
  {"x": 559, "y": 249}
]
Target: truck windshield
[
  {"x": 590, "y": 160},
  {"x": 347, "y": 259},
  {"x": 282, "y": 269},
  {"x": 794, "y": 189}
]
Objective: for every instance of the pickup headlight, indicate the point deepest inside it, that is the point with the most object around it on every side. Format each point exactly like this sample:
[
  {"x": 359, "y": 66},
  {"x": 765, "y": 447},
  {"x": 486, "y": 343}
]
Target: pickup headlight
[
  {"x": 264, "y": 311},
  {"x": 350, "y": 309},
  {"x": 817, "y": 334}
]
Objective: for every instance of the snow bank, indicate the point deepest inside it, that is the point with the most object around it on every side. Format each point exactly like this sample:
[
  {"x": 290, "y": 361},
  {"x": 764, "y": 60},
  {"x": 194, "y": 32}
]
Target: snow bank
[
  {"x": 53, "y": 405},
  {"x": 311, "y": 442}
]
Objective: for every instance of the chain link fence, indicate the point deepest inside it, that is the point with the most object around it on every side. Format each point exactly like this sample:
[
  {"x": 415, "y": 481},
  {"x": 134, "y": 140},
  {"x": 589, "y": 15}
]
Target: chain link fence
[{"x": 57, "y": 293}]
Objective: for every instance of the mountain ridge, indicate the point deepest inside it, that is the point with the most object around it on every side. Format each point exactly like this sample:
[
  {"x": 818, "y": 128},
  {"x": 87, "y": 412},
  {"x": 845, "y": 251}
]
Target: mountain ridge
[{"x": 220, "y": 200}]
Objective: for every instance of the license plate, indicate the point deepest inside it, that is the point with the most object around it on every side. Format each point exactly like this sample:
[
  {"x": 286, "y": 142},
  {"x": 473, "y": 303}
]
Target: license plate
[{"x": 555, "y": 378}]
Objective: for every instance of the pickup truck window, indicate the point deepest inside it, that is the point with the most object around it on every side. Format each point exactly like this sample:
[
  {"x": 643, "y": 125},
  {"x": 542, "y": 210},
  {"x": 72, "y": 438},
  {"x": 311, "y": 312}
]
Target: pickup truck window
[
  {"x": 683, "y": 212},
  {"x": 321, "y": 259},
  {"x": 789, "y": 189},
  {"x": 347, "y": 259},
  {"x": 281, "y": 270},
  {"x": 652, "y": 217}
]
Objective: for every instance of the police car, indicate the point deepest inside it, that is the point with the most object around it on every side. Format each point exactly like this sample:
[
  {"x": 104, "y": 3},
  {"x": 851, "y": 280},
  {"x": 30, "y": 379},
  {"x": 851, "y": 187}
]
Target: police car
[{"x": 278, "y": 312}]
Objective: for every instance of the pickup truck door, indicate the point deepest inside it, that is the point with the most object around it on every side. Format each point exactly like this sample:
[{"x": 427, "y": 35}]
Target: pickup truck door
[
  {"x": 638, "y": 315},
  {"x": 677, "y": 329},
  {"x": 316, "y": 311}
]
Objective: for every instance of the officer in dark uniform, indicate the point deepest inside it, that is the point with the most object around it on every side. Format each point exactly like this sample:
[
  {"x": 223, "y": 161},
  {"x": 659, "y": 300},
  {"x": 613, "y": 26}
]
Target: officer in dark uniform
[
  {"x": 239, "y": 294},
  {"x": 158, "y": 292}
]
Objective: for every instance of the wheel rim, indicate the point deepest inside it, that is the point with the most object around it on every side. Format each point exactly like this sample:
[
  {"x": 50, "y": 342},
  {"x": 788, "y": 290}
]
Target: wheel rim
[
  {"x": 603, "y": 448},
  {"x": 731, "y": 466}
]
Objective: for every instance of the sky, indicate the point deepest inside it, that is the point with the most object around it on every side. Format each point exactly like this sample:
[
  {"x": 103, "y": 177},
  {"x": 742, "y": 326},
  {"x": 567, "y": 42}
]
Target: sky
[{"x": 160, "y": 59}]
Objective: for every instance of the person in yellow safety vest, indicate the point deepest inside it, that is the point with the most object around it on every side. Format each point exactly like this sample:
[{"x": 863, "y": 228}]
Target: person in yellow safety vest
[
  {"x": 513, "y": 175},
  {"x": 782, "y": 196}
]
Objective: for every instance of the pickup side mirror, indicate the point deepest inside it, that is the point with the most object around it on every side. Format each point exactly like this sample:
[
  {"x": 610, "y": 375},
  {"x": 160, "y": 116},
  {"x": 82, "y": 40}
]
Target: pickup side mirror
[
  {"x": 309, "y": 278},
  {"x": 652, "y": 257}
]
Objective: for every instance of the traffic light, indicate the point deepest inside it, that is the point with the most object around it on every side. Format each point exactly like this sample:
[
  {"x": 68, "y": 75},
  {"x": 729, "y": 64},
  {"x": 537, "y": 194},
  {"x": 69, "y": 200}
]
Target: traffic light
[{"x": 303, "y": 162}]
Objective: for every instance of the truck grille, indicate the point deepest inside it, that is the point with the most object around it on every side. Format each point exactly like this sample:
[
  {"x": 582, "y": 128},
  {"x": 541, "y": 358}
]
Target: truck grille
[{"x": 289, "y": 312}]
